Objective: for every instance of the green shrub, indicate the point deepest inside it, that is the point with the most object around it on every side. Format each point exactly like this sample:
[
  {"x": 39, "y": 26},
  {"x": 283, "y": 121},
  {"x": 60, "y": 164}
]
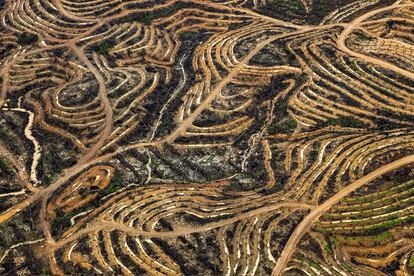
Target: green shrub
[
  {"x": 382, "y": 237},
  {"x": 5, "y": 166},
  {"x": 114, "y": 185},
  {"x": 347, "y": 267},
  {"x": 412, "y": 260},
  {"x": 291, "y": 124},
  {"x": 46, "y": 272},
  {"x": 147, "y": 18},
  {"x": 103, "y": 47},
  {"x": 346, "y": 122}
]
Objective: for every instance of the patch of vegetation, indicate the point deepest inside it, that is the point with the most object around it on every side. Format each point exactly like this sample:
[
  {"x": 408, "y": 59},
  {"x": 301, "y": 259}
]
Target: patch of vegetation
[
  {"x": 103, "y": 47},
  {"x": 83, "y": 192},
  {"x": 390, "y": 224},
  {"x": 46, "y": 272},
  {"x": 26, "y": 38},
  {"x": 190, "y": 36},
  {"x": 390, "y": 24},
  {"x": 328, "y": 248},
  {"x": 148, "y": 17},
  {"x": 5, "y": 166},
  {"x": 314, "y": 265},
  {"x": 296, "y": 5},
  {"x": 114, "y": 185},
  {"x": 62, "y": 220},
  {"x": 346, "y": 122},
  {"x": 347, "y": 267},
  {"x": 412, "y": 261},
  {"x": 60, "y": 216},
  {"x": 290, "y": 124},
  {"x": 382, "y": 237}
]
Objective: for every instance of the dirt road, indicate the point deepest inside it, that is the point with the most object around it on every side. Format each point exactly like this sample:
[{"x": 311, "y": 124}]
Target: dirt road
[
  {"x": 105, "y": 101},
  {"x": 305, "y": 225},
  {"x": 314, "y": 215},
  {"x": 113, "y": 225},
  {"x": 89, "y": 158},
  {"x": 357, "y": 23},
  {"x": 187, "y": 122},
  {"x": 90, "y": 153}
]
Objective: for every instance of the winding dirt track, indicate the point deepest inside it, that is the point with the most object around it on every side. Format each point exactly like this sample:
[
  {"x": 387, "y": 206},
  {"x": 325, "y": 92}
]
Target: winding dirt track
[
  {"x": 355, "y": 24},
  {"x": 92, "y": 151},
  {"x": 219, "y": 87},
  {"x": 306, "y": 224},
  {"x": 87, "y": 159},
  {"x": 314, "y": 215},
  {"x": 90, "y": 156},
  {"x": 112, "y": 225},
  {"x": 107, "y": 106}
]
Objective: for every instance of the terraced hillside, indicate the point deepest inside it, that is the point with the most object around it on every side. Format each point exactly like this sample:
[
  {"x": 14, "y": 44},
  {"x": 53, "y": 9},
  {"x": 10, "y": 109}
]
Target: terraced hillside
[{"x": 206, "y": 137}]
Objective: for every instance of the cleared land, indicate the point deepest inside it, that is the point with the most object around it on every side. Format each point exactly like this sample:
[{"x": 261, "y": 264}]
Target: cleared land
[{"x": 207, "y": 137}]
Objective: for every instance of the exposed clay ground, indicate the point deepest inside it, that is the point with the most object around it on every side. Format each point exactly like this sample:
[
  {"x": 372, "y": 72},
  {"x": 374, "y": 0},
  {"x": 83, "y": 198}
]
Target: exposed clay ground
[{"x": 206, "y": 137}]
